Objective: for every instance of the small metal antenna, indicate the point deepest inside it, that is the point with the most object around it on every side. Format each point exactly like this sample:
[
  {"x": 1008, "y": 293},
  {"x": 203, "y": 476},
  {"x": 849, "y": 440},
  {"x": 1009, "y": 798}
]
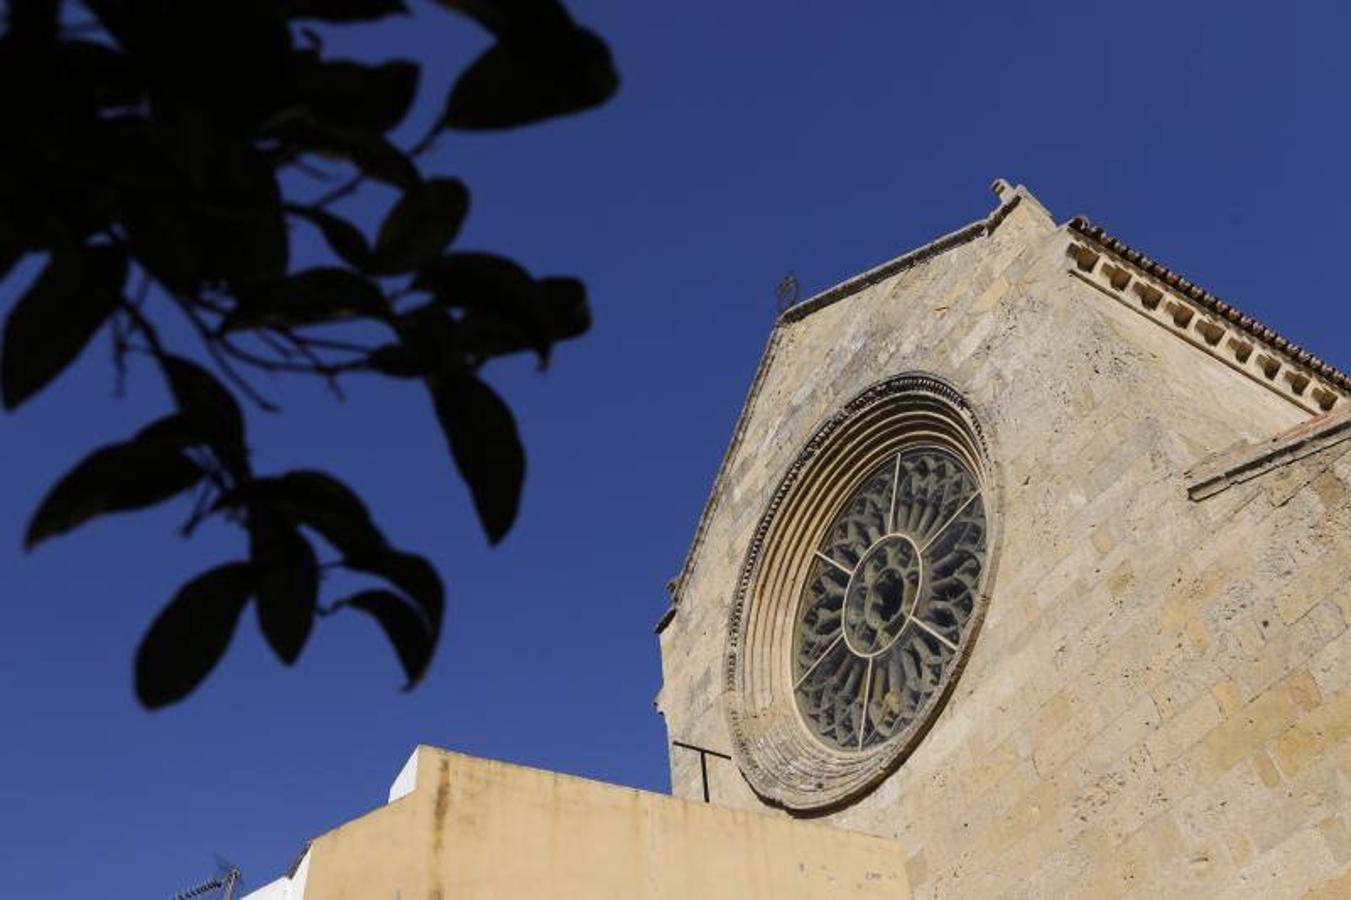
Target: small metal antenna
[
  {"x": 786, "y": 292},
  {"x": 227, "y": 881}
]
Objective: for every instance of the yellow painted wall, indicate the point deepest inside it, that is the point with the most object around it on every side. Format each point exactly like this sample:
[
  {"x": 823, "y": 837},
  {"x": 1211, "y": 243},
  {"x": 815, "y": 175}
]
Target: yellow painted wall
[{"x": 474, "y": 828}]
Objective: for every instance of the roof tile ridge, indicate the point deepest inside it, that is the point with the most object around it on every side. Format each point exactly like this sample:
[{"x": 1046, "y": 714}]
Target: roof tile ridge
[{"x": 1246, "y": 323}]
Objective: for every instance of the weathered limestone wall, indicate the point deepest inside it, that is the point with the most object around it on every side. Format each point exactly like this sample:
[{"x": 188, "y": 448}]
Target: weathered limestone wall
[
  {"x": 474, "y": 828},
  {"x": 1158, "y": 696}
]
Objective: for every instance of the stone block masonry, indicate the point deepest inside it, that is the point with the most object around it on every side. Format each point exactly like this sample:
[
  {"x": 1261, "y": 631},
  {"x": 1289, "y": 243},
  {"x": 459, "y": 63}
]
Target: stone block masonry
[{"x": 1157, "y": 702}]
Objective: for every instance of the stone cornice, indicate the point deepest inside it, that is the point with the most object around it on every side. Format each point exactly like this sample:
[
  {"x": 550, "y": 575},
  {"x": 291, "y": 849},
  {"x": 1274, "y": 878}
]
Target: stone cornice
[
  {"x": 1250, "y": 461},
  {"x": 1204, "y": 320},
  {"x": 1190, "y": 312},
  {"x": 1009, "y": 198}
]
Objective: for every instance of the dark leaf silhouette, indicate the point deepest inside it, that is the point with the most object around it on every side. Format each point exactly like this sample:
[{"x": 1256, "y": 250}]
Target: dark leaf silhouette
[
  {"x": 11, "y": 249},
  {"x": 174, "y": 431},
  {"x": 324, "y": 294},
  {"x": 397, "y": 361},
  {"x": 120, "y": 477},
  {"x": 372, "y": 153},
  {"x": 402, "y": 625},
  {"x": 239, "y": 215},
  {"x": 209, "y": 410},
  {"x": 569, "y": 313},
  {"x": 430, "y": 337},
  {"x": 413, "y": 575},
  {"x": 318, "y": 501},
  {"x": 35, "y": 21},
  {"x": 153, "y": 209},
  {"x": 110, "y": 78},
  {"x": 504, "y": 309},
  {"x": 517, "y": 82},
  {"x": 287, "y": 577},
  {"x": 343, "y": 10},
  {"x": 199, "y": 207},
  {"x": 516, "y": 19},
  {"x": 476, "y": 279},
  {"x": 54, "y": 320},
  {"x": 190, "y": 635},
  {"x": 227, "y": 58},
  {"x": 343, "y": 238},
  {"x": 54, "y": 181},
  {"x": 482, "y": 435},
  {"x": 378, "y": 158},
  {"x": 356, "y": 97},
  {"x": 157, "y": 154},
  {"x": 426, "y": 219},
  {"x": 323, "y": 503}
]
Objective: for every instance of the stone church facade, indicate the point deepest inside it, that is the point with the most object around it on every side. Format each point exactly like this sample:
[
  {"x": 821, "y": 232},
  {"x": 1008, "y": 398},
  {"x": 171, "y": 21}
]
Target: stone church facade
[
  {"x": 1027, "y": 573},
  {"x": 1151, "y": 689}
]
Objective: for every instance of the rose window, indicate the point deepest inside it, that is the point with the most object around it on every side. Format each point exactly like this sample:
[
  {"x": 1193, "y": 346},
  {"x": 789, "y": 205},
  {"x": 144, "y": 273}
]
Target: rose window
[
  {"x": 887, "y": 599},
  {"x": 863, "y": 588}
]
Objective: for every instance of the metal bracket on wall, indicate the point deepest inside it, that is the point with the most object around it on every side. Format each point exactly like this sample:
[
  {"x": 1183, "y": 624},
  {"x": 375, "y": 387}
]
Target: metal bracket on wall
[{"x": 704, "y": 754}]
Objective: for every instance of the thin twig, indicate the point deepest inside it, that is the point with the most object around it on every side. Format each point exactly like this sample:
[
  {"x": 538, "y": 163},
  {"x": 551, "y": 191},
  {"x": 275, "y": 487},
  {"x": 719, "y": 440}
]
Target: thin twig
[
  {"x": 213, "y": 347},
  {"x": 201, "y": 509},
  {"x": 120, "y": 350},
  {"x": 143, "y": 289},
  {"x": 330, "y": 376},
  {"x": 313, "y": 171},
  {"x": 426, "y": 142},
  {"x": 272, "y": 343},
  {"x": 329, "y": 343},
  {"x": 315, "y": 367},
  {"x": 219, "y": 307},
  {"x": 144, "y": 326},
  {"x": 132, "y": 309},
  {"x": 347, "y": 188},
  {"x": 272, "y": 365},
  {"x": 343, "y": 190}
]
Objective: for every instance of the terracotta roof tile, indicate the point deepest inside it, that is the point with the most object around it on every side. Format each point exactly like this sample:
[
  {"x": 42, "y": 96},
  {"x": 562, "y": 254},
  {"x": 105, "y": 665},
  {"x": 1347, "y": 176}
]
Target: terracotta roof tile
[{"x": 1205, "y": 298}]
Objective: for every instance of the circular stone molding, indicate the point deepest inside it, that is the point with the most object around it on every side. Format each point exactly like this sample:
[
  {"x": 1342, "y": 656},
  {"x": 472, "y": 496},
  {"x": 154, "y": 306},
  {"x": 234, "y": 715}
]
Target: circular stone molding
[{"x": 861, "y": 594}]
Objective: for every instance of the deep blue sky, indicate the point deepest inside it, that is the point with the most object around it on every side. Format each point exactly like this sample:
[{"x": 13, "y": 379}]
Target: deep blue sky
[{"x": 749, "y": 139}]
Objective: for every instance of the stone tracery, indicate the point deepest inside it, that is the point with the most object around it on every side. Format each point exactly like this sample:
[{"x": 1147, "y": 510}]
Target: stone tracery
[
  {"x": 862, "y": 589},
  {"x": 888, "y": 597}
]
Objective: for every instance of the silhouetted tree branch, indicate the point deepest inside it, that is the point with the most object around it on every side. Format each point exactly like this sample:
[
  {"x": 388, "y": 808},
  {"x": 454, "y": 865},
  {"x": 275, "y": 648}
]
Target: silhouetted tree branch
[{"x": 144, "y": 144}]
